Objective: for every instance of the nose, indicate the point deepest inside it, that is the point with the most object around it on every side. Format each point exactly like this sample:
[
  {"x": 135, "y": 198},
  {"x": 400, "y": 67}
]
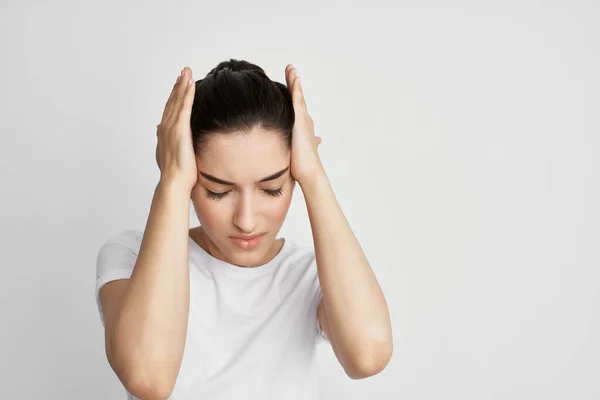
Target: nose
[{"x": 243, "y": 216}]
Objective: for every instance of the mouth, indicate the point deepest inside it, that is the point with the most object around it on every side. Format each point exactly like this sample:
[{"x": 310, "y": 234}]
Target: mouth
[{"x": 247, "y": 242}]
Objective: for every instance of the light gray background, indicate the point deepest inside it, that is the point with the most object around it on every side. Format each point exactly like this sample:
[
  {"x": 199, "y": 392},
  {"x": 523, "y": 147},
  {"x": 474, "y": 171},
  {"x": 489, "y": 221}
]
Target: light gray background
[{"x": 461, "y": 139}]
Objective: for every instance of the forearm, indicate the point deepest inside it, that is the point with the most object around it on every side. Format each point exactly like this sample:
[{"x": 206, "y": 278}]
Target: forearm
[
  {"x": 151, "y": 328},
  {"x": 356, "y": 308}
]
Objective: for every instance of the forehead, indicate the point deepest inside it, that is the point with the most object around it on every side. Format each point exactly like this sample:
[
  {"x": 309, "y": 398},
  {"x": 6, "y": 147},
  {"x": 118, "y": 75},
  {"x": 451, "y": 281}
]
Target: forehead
[{"x": 243, "y": 157}]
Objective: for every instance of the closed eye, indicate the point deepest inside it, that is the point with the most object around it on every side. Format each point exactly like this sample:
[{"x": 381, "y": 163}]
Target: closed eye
[
  {"x": 274, "y": 193},
  {"x": 217, "y": 196}
]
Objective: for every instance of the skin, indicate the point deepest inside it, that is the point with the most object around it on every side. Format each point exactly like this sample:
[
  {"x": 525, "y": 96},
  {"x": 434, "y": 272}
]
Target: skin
[{"x": 247, "y": 207}]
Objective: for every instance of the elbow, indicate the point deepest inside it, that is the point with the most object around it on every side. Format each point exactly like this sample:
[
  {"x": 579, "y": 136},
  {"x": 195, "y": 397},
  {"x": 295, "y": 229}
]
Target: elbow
[
  {"x": 371, "y": 364},
  {"x": 140, "y": 382},
  {"x": 148, "y": 389},
  {"x": 367, "y": 369}
]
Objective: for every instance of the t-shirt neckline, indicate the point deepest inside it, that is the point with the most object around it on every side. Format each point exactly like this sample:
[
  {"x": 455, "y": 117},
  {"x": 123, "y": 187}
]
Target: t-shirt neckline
[{"x": 221, "y": 267}]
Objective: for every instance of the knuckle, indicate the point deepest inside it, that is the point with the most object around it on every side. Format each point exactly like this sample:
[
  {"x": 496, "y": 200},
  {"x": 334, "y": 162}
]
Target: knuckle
[{"x": 164, "y": 127}]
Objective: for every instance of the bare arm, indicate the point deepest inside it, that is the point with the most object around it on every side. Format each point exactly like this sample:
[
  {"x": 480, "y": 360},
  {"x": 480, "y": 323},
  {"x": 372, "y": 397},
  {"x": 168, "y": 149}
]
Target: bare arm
[
  {"x": 147, "y": 320},
  {"x": 145, "y": 342},
  {"x": 353, "y": 311}
]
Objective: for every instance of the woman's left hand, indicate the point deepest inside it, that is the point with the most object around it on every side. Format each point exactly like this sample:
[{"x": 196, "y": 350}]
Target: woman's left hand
[{"x": 305, "y": 160}]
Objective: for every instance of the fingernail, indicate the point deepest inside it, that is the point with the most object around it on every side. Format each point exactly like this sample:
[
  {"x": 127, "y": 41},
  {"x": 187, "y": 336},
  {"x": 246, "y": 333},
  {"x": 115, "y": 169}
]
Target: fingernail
[{"x": 182, "y": 71}]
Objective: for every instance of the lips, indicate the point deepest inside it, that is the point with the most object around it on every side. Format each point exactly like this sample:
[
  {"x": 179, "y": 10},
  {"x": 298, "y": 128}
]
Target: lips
[
  {"x": 247, "y": 237},
  {"x": 247, "y": 242}
]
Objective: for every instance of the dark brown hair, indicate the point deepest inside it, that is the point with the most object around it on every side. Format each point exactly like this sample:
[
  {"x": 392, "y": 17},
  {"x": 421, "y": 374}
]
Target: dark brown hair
[{"x": 237, "y": 96}]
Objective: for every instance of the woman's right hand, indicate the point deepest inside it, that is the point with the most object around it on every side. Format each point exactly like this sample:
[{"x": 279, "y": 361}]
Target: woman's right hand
[{"x": 174, "y": 151}]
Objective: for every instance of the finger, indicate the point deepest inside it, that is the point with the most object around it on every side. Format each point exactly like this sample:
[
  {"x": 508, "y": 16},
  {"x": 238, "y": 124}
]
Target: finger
[
  {"x": 318, "y": 139},
  {"x": 168, "y": 105},
  {"x": 288, "y": 70},
  {"x": 180, "y": 93},
  {"x": 185, "y": 113},
  {"x": 291, "y": 76},
  {"x": 298, "y": 95}
]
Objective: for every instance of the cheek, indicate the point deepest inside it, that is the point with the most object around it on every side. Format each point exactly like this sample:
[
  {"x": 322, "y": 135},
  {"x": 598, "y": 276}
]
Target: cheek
[
  {"x": 209, "y": 214},
  {"x": 278, "y": 209}
]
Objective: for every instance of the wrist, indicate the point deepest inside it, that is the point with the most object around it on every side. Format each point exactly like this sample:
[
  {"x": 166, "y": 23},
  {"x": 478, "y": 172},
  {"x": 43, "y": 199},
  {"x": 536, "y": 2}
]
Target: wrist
[
  {"x": 314, "y": 181},
  {"x": 174, "y": 184}
]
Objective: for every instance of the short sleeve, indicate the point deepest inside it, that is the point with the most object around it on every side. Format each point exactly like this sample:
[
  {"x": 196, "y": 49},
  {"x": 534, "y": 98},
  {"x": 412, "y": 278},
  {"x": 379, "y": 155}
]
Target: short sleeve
[{"x": 115, "y": 260}]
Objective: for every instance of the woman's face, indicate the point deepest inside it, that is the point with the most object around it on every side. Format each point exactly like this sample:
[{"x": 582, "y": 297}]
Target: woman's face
[{"x": 235, "y": 195}]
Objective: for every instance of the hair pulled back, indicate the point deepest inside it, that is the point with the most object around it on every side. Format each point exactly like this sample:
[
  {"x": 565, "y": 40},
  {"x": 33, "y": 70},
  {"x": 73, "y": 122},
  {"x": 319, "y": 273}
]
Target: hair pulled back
[{"x": 237, "y": 96}]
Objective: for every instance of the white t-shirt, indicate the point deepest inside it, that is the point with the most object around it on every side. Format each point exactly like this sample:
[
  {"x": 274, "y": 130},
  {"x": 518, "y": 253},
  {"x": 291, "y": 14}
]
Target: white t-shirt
[{"x": 252, "y": 332}]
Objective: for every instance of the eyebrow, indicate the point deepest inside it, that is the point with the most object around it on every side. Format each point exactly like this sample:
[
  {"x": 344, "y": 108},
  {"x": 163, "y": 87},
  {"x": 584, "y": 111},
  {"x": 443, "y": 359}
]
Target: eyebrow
[{"x": 224, "y": 182}]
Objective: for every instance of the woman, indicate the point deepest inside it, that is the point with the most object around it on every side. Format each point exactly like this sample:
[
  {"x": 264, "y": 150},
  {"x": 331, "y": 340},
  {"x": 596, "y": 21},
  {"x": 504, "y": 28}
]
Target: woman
[{"x": 227, "y": 310}]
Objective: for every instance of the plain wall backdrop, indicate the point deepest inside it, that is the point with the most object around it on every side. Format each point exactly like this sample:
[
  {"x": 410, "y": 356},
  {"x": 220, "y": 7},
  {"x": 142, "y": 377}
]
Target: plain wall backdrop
[{"x": 461, "y": 139}]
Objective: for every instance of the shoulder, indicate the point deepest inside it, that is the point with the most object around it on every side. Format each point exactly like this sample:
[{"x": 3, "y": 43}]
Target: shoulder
[
  {"x": 120, "y": 249},
  {"x": 298, "y": 254},
  {"x": 299, "y": 261},
  {"x": 130, "y": 238}
]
